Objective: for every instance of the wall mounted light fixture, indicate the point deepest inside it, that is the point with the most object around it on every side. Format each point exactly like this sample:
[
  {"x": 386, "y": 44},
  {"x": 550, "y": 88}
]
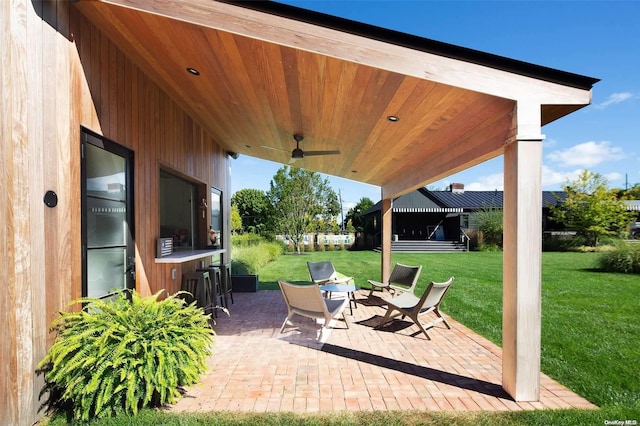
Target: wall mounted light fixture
[{"x": 50, "y": 199}]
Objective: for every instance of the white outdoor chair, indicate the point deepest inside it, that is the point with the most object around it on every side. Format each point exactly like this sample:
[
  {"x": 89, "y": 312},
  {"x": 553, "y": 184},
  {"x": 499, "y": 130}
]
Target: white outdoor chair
[
  {"x": 407, "y": 304},
  {"x": 306, "y": 301},
  {"x": 402, "y": 278}
]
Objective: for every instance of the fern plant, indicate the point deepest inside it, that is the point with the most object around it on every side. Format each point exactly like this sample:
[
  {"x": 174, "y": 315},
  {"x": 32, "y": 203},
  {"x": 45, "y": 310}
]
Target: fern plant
[{"x": 126, "y": 353}]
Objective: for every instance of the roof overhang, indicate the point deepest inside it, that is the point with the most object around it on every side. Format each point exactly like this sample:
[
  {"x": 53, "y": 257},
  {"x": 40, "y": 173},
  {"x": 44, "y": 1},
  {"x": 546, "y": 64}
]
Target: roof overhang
[{"x": 269, "y": 71}]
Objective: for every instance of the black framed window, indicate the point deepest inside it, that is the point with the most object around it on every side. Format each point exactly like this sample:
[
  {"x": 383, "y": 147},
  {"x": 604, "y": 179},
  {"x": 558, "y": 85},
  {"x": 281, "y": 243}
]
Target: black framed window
[
  {"x": 178, "y": 211},
  {"x": 216, "y": 217}
]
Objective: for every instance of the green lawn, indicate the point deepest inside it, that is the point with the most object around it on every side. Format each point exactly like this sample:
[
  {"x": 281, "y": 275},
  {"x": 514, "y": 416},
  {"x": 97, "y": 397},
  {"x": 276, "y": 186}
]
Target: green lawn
[{"x": 590, "y": 336}]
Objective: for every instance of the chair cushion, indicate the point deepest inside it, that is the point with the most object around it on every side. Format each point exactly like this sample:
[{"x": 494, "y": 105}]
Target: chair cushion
[{"x": 404, "y": 301}]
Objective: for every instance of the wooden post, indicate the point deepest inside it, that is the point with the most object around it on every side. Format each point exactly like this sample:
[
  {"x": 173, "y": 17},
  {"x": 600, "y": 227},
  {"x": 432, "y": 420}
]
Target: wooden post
[
  {"x": 521, "y": 316},
  {"x": 385, "y": 212}
]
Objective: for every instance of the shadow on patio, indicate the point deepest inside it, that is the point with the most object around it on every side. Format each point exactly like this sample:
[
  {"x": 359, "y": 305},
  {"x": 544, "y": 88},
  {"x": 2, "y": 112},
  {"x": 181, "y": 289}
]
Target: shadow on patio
[{"x": 255, "y": 368}]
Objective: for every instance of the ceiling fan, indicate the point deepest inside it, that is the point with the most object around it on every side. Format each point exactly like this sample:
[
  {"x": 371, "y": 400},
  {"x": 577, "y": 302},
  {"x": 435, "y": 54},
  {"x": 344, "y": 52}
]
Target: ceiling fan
[{"x": 298, "y": 153}]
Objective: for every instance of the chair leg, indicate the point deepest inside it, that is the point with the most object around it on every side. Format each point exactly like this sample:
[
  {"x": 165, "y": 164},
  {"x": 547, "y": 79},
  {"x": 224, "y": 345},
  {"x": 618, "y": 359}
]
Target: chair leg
[
  {"x": 370, "y": 292},
  {"x": 437, "y": 312},
  {"x": 387, "y": 317},
  {"x": 229, "y": 286},
  {"x": 286, "y": 320},
  {"x": 420, "y": 326}
]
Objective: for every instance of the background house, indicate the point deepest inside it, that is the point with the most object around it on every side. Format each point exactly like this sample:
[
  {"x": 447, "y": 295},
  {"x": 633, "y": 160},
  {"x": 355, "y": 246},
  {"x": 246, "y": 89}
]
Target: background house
[{"x": 427, "y": 220}]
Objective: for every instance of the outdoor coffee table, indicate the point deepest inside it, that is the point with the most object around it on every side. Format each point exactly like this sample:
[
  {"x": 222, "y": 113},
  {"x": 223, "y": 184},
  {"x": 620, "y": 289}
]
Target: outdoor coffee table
[{"x": 343, "y": 288}]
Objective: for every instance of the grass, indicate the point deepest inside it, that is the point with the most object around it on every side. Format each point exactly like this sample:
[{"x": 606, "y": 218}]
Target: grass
[
  {"x": 590, "y": 336},
  {"x": 378, "y": 418}
]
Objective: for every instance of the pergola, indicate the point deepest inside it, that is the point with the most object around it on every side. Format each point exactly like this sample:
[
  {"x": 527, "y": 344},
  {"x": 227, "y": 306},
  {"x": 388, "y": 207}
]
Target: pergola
[{"x": 403, "y": 111}]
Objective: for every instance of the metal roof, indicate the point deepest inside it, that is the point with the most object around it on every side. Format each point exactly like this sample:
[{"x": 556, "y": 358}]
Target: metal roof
[{"x": 424, "y": 200}]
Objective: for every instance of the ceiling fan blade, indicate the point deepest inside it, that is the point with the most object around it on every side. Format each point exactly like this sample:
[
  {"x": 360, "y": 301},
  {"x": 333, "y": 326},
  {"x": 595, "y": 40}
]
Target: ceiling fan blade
[
  {"x": 274, "y": 149},
  {"x": 309, "y": 153}
]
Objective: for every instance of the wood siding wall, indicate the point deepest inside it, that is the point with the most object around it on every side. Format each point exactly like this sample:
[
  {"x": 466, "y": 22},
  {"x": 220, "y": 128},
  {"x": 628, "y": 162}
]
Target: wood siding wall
[{"x": 59, "y": 73}]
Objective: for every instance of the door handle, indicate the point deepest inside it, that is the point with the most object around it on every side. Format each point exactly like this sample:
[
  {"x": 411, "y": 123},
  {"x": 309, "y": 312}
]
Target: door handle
[{"x": 131, "y": 268}]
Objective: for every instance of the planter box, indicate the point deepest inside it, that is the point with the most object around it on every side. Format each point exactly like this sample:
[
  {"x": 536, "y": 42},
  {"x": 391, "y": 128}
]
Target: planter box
[{"x": 244, "y": 283}]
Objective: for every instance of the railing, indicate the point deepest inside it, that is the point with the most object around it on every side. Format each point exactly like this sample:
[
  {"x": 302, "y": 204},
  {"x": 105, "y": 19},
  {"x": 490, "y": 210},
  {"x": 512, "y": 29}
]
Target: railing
[
  {"x": 464, "y": 238},
  {"x": 431, "y": 234}
]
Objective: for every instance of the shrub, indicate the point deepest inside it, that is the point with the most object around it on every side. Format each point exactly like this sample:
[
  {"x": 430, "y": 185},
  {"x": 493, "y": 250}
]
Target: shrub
[
  {"x": 121, "y": 354},
  {"x": 246, "y": 240},
  {"x": 489, "y": 247},
  {"x": 248, "y": 260},
  {"x": 562, "y": 242},
  {"x": 489, "y": 221},
  {"x": 624, "y": 258},
  {"x": 475, "y": 238}
]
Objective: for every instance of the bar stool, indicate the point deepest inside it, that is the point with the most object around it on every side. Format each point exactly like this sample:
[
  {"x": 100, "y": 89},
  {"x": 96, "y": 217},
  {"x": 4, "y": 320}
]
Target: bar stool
[
  {"x": 215, "y": 293},
  {"x": 225, "y": 283},
  {"x": 198, "y": 285}
]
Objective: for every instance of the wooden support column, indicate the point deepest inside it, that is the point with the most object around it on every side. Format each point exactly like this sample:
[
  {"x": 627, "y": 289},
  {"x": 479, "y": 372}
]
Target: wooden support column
[
  {"x": 521, "y": 312},
  {"x": 385, "y": 212}
]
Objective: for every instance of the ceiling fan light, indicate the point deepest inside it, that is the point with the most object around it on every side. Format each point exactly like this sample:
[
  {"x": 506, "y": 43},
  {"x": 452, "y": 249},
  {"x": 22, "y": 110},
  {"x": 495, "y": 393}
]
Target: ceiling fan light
[{"x": 297, "y": 153}]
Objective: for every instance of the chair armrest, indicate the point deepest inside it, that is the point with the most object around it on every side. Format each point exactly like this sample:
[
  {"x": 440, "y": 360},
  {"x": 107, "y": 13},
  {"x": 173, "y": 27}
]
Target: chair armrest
[
  {"x": 341, "y": 280},
  {"x": 377, "y": 283},
  {"x": 399, "y": 287}
]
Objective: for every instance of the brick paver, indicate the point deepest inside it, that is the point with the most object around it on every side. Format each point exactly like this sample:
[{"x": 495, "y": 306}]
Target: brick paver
[{"x": 256, "y": 368}]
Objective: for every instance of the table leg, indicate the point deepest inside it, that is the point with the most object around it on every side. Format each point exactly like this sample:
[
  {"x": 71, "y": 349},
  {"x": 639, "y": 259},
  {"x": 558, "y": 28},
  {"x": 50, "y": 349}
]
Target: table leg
[{"x": 352, "y": 299}]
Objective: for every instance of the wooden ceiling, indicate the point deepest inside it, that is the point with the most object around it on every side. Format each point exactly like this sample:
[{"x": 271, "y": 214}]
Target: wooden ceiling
[{"x": 263, "y": 78}]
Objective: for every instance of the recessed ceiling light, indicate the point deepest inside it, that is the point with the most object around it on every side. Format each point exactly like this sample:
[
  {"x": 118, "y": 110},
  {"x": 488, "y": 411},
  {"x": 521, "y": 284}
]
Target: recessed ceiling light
[
  {"x": 354, "y": 171},
  {"x": 193, "y": 71},
  {"x": 392, "y": 118}
]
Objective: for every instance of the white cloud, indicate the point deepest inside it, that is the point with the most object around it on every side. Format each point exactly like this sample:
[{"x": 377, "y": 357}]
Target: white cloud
[
  {"x": 346, "y": 206},
  {"x": 614, "y": 98},
  {"x": 613, "y": 177},
  {"x": 487, "y": 183},
  {"x": 586, "y": 154},
  {"x": 554, "y": 179}
]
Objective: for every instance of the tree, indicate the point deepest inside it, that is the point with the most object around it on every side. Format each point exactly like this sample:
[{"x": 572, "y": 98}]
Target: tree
[
  {"x": 236, "y": 220},
  {"x": 255, "y": 210},
  {"x": 356, "y": 214},
  {"x": 632, "y": 193},
  {"x": 300, "y": 197},
  {"x": 591, "y": 209}
]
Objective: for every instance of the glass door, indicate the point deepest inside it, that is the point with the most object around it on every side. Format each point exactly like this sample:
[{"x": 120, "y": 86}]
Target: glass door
[{"x": 108, "y": 259}]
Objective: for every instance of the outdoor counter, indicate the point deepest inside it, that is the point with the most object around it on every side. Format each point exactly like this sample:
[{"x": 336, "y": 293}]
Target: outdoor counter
[{"x": 187, "y": 256}]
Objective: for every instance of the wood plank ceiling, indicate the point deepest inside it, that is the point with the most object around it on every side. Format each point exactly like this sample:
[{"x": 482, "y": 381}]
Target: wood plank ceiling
[{"x": 254, "y": 94}]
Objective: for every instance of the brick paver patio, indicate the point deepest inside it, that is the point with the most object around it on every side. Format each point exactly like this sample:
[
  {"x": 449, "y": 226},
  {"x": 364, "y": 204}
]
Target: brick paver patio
[{"x": 255, "y": 368}]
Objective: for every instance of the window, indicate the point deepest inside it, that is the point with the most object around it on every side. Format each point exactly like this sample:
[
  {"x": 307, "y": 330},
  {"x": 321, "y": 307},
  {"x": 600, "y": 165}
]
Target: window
[
  {"x": 216, "y": 216},
  {"x": 464, "y": 220},
  {"x": 178, "y": 211}
]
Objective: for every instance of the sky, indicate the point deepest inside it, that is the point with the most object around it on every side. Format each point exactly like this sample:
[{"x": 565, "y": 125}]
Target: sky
[{"x": 599, "y": 39}]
